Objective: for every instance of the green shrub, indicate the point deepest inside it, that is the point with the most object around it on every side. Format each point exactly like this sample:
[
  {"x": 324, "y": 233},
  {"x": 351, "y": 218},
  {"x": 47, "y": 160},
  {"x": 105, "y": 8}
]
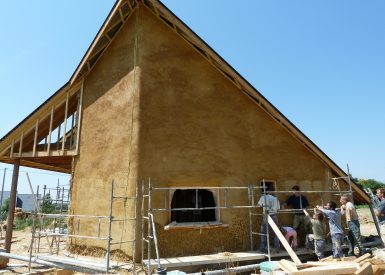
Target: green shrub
[{"x": 22, "y": 223}]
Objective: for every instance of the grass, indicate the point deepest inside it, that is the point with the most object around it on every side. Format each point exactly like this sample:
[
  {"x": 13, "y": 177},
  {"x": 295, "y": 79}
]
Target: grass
[
  {"x": 21, "y": 224},
  {"x": 362, "y": 206}
]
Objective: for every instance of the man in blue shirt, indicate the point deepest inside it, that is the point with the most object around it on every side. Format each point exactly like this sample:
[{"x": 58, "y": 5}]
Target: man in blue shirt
[
  {"x": 334, "y": 215},
  {"x": 299, "y": 202}
]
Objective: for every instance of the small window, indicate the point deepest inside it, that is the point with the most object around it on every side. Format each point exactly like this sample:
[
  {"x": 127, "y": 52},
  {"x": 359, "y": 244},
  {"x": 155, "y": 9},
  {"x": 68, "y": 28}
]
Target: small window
[
  {"x": 269, "y": 184},
  {"x": 192, "y": 198}
]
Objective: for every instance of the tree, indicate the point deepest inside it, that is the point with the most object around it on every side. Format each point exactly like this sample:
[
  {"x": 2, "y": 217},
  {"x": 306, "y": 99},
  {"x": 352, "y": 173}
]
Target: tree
[
  {"x": 47, "y": 206},
  {"x": 371, "y": 184},
  {"x": 5, "y": 206}
]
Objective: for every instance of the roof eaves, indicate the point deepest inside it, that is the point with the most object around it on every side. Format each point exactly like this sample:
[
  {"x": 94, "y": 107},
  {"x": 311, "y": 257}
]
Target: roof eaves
[
  {"x": 260, "y": 98},
  {"x": 35, "y": 111}
]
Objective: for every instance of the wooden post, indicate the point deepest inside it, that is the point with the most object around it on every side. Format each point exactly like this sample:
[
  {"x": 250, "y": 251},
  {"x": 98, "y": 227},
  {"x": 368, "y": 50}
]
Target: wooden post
[
  {"x": 50, "y": 131},
  {"x": 79, "y": 118},
  {"x": 35, "y": 138},
  {"x": 21, "y": 144},
  {"x": 12, "y": 146},
  {"x": 12, "y": 205},
  {"x": 285, "y": 244},
  {"x": 65, "y": 125}
]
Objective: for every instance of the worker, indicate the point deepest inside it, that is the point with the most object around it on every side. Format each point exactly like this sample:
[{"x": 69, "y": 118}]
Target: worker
[
  {"x": 380, "y": 211},
  {"x": 318, "y": 236},
  {"x": 290, "y": 236},
  {"x": 299, "y": 202},
  {"x": 354, "y": 233},
  {"x": 334, "y": 215},
  {"x": 271, "y": 205}
]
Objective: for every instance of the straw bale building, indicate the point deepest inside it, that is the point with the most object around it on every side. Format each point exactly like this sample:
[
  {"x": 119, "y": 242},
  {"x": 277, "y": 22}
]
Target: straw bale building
[{"x": 151, "y": 100}]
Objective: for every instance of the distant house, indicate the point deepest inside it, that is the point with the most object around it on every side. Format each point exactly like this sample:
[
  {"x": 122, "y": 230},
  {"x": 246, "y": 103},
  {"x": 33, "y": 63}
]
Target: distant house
[{"x": 24, "y": 201}]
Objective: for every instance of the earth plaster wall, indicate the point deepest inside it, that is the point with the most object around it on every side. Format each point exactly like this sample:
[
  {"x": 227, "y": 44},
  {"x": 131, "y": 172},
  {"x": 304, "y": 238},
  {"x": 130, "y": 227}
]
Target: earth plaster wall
[
  {"x": 184, "y": 124},
  {"x": 108, "y": 143},
  {"x": 198, "y": 129}
]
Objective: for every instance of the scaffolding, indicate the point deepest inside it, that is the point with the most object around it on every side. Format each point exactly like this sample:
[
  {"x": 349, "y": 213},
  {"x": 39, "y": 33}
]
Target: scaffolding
[
  {"x": 60, "y": 219},
  {"x": 149, "y": 238}
]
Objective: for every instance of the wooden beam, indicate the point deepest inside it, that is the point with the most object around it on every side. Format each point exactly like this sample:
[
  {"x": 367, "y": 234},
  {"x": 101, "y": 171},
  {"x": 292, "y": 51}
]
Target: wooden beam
[
  {"x": 330, "y": 258},
  {"x": 39, "y": 113},
  {"x": 288, "y": 265},
  {"x": 58, "y": 137},
  {"x": 285, "y": 244},
  {"x": 328, "y": 270},
  {"x": 64, "y": 166},
  {"x": 21, "y": 144},
  {"x": 379, "y": 269},
  {"x": 366, "y": 269},
  {"x": 50, "y": 130},
  {"x": 72, "y": 129},
  {"x": 56, "y": 153},
  {"x": 79, "y": 118},
  {"x": 101, "y": 32},
  {"x": 363, "y": 257},
  {"x": 12, "y": 205},
  {"x": 35, "y": 138},
  {"x": 65, "y": 124},
  {"x": 121, "y": 18},
  {"x": 12, "y": 146}
]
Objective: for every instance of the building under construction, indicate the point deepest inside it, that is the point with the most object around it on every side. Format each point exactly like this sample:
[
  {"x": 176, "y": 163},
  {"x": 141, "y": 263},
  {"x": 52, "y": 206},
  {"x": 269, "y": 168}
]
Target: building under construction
[{"x": 185, "y": 139}]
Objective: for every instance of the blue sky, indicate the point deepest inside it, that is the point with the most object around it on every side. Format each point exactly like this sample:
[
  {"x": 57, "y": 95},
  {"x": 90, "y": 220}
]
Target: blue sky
[{"x": 321, "y": 63}]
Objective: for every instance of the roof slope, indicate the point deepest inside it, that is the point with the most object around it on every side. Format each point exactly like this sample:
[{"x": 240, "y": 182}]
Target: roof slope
[{"x": 119, "y": 14}]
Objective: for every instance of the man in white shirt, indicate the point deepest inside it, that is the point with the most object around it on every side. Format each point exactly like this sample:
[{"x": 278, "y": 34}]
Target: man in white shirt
[{"x": 270, "y": 204}]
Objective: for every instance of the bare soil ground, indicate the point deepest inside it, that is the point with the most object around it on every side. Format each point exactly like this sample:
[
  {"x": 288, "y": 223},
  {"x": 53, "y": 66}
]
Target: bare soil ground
[{"x": 366, "y": 222}]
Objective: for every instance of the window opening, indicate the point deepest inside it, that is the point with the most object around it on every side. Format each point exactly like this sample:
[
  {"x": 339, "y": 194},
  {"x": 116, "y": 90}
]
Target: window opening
[
  {"x": 269, "y": 184},
  {"x": 192, "y": 198}
]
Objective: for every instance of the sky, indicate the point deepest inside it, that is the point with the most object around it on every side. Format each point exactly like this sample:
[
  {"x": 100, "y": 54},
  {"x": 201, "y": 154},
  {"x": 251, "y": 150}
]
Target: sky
[{"x": 321, "y": 63}]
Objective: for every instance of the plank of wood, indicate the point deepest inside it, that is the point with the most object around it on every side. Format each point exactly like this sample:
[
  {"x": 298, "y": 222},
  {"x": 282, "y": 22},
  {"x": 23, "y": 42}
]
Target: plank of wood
[
  {"x": 327, "y": 259},
  {"x": 35, "y": 137},
  {"x": 348, "y": 259},
  {"x": 374, "y": 261},
  {"x": 283, "y": 267},
  {"x": 363, "y": 257},
  {"x": 282, "y": 239},
  {"x": 329, "y": 263},
  {"x": 328, "y": 270},
  {"x": 208, "y": 259},
  {"x": 378, "y": 269},
  {"x": 289, "y": 265},
  {"x": 366, "y": 269}
]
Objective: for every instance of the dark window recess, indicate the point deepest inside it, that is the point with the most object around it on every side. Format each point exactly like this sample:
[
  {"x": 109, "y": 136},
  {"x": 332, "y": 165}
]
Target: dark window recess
[
  {"x": 269, "y": 185},
  {"x": 187, "y": 199}
]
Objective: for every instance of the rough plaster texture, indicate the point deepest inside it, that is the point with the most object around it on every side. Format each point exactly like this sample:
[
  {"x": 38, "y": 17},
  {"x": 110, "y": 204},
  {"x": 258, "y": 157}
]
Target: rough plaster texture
[
  {"x": 197, "y": 129},
  {"x": 108, "y": 141},
  {"x": 189, "y": 126}
]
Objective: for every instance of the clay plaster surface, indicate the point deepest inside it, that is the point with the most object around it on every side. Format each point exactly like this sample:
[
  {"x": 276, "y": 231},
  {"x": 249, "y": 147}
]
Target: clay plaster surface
[{"x": 178, "y": 120}]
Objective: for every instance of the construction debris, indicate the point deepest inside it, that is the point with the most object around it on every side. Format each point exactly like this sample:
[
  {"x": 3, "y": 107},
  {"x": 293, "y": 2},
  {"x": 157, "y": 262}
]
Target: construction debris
[{"x": 366, "y": 264}]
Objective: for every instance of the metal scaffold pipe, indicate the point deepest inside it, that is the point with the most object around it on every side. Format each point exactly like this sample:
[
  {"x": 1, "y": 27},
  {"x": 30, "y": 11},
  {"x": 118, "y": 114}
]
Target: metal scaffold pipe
[
  {"x": 231, "y": 270},
  {"x": 36, "y": 260}
]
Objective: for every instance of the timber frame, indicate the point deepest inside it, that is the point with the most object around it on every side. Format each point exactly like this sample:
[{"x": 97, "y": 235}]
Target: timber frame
[
  {"x": 48, "y": 138},
  {"x": 59, "y": 160}
]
